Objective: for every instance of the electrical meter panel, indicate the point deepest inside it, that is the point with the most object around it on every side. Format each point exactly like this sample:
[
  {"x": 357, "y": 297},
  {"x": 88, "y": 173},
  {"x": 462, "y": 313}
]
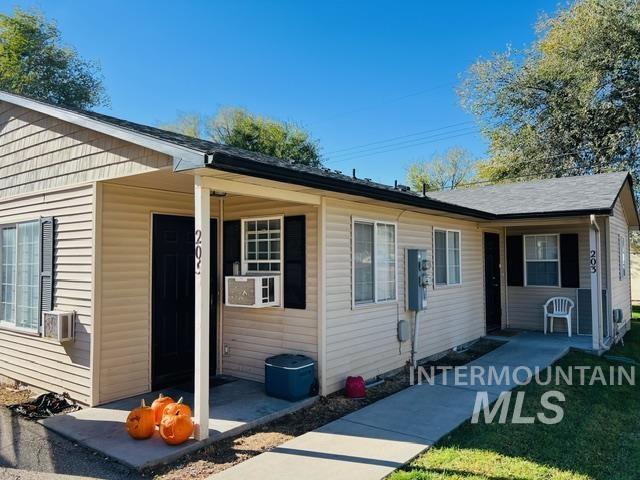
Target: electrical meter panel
[{"x": 418, "y": 279}]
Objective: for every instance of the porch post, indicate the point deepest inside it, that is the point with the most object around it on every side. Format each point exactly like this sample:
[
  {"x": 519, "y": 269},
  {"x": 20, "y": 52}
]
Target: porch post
[
  {"x": 596, "y": 289},
  {"x": 202, "y": 212}
]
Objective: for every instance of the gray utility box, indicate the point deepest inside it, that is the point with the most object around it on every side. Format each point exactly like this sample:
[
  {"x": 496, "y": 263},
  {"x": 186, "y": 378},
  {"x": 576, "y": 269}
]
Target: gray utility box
[
  {"x": 418, "y": 268},
  {"x": 290, "y": 377}
]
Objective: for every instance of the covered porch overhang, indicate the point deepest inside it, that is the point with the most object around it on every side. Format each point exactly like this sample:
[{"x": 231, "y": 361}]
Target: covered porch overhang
[
  {"x": 210, "y": 183},
  {"x": 584, "y": 241}
]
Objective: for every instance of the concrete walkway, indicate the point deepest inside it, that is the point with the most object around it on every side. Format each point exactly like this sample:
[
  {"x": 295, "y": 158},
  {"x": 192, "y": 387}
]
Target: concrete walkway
[{"x": 374, "y": 441}]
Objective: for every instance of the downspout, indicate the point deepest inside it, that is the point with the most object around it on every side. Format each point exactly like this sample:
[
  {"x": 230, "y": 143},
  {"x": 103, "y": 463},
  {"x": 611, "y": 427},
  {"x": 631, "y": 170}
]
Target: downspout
[{"x": 596, "y": 281}]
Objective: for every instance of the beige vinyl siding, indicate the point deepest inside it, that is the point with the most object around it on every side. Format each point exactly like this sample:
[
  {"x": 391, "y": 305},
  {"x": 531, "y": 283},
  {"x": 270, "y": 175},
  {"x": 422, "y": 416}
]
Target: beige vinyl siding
[
  {"x": 125, "y": 305},
  {"x": 525, "y": 303},
  {"x": 251, "y": 334},
  {"x": 634, "y": 268},
  {"x": 39, "y": 152},
  {"x": 30, "y": 359},
  {"x": 620, "y": 287},
  {"x": 363, "y": 340}
]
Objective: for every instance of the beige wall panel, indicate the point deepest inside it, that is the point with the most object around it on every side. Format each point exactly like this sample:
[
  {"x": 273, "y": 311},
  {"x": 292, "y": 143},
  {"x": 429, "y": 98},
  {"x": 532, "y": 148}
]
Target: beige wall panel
[
  {"x": 621, "y": 286},
  {"x": 41, "y": 153},
  {"x": 363, "y": 340},
  {"x": 255, "y": 334},
  {"x": 31, "y": 359}
]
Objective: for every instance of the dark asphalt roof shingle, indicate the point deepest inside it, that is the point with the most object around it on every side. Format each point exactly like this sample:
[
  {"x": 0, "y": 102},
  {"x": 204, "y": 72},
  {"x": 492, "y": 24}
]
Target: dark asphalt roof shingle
[
  {"x": 566, "y": 195},
  {"x": 583, "y": 193}
]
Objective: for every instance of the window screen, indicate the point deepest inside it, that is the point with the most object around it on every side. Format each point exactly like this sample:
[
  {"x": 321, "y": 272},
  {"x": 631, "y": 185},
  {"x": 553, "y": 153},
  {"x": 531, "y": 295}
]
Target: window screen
[
  {"x": 542, "y": 260},
  {"x": 20, "y": 275},
  {"x": 363, "y": 258}
]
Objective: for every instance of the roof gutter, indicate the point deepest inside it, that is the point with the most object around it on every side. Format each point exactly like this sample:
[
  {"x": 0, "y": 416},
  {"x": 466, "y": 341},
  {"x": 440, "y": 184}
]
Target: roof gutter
[{"x": 230, "y": 163}]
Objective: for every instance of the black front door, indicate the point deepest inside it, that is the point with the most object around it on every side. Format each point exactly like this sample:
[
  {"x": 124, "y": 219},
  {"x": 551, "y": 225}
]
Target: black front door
[
  {"x": 173, "y": 301},
  {"x": 492, "y": 280}
]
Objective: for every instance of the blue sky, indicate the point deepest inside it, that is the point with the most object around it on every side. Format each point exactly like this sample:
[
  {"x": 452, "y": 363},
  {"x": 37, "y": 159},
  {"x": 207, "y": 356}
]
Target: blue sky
[{"x": 353, "y": 73}]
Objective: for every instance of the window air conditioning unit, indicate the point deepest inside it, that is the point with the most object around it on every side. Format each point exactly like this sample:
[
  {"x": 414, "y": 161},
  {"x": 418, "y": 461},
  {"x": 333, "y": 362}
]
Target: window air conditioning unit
[
  {"x": 252, "y": 291},
  {"x": 58, "y": 326}
]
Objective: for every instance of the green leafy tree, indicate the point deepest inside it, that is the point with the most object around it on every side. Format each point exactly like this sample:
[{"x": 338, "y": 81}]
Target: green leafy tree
[
  {"x": 570, "y": 103},
  {"x": 445, "y": 171},
  {"x": 33, "y": 62},
  {"x": 190, "y": 124},
  {"x": 239, "y": 128}
]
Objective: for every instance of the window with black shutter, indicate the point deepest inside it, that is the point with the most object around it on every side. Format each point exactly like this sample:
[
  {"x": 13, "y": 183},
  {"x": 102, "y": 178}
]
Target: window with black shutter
[{"x": 262, "y": 245}]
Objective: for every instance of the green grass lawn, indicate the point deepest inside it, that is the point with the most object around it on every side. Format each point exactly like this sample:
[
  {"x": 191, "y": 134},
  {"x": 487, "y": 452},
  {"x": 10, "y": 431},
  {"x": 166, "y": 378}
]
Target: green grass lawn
[{"x": 599, "y": 437}]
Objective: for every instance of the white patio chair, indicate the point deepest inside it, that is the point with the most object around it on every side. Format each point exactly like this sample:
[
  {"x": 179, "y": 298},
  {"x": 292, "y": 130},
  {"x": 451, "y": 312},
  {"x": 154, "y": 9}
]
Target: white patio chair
[{"x": 560, "y": 308}]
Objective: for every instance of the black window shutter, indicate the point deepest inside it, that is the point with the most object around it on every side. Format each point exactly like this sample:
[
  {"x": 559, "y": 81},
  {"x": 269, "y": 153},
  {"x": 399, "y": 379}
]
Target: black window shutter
[
  {"x": 295, "y": 268},
  {"x": 569, "y": 260},
  {"x": 515, "y": 265},
  {"x": 47, "y": 240},
  {"x": 230, "y": 246}
]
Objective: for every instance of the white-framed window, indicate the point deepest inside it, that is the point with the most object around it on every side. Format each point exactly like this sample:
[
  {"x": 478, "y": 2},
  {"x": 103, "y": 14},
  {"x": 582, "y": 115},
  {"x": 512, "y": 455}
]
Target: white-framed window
[
  {"x": 374, "y": 255},
  {"x": 447, "y": 257},
  {"x": 20, "y": 275},
  {"x": 262, "y": 246},
  {"x": 622, "y": 256},
  {"x": 542, "y": 260}
]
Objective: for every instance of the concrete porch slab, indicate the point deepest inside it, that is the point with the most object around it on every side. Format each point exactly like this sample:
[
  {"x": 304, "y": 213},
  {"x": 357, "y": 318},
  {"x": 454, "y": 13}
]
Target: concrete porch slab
[{"x": 235, "y": 407}]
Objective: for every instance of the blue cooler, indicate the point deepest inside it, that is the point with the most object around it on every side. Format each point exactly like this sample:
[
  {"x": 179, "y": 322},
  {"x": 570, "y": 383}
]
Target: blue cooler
[{"x": 288, "y": 376}]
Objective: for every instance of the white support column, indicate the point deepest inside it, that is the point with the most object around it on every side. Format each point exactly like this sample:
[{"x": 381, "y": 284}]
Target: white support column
[
  {"x": 202, "y": 212},
  {"x": 322, "y": 296},
  {"x": 596, "y": 284}
]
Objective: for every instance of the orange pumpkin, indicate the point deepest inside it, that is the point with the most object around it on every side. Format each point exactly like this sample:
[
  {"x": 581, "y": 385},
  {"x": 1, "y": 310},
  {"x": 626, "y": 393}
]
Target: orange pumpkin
[
  {"x": 177, "y": 408},
  {"x": 159, "y": 405},
  {"x": 176, "y": 429},
  {"x": 141, "y": 422}
]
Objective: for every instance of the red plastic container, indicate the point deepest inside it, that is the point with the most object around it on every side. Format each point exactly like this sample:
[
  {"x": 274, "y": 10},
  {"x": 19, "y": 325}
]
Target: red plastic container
[{"x": 355, "y": 387}]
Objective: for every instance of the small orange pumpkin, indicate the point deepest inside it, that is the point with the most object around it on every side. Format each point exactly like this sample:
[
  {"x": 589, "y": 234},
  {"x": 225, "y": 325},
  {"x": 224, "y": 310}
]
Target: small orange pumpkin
[
  {"x": 159, "y": 405},
  {"x": 176, "y": 429},
  {"x": 177, "y": 408},
  {"x": 141, "y": 422}
]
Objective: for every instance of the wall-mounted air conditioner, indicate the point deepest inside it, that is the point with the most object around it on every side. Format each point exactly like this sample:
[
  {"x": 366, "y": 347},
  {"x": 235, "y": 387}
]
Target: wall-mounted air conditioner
[
  {"x": 58, "y": 326},
  {"x": 252, "y": 291}
]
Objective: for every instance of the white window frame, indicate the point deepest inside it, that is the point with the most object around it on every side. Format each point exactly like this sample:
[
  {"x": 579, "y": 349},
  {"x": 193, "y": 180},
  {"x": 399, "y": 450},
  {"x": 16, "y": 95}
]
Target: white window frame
[
  {"x": 13, "y": 326},
  {"x": 557, "y": 261},
  {"x": 375, "y": 224},
  {"x": 243, "y": 247},
  {"x": 446, "y": 236},
  {"x": 622, "y": 257}
]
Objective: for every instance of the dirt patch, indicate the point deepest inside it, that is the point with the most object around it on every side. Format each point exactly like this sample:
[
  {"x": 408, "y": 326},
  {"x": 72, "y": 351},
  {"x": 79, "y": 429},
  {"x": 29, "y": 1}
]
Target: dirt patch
[
  {"x": 226, "y": 453},
  {"x": 12, "y": 394}
]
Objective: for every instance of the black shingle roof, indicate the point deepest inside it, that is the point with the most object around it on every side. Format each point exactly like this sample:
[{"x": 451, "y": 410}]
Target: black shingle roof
[
  {"x": 587, "y": 193},
  {"x": 566, "y": 196}
]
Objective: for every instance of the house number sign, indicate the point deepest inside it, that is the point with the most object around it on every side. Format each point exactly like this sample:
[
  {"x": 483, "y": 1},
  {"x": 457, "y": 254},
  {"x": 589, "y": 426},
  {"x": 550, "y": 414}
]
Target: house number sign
[
  {"x": 593, "y": 261},
  {"x": 198, "y": 238}
]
